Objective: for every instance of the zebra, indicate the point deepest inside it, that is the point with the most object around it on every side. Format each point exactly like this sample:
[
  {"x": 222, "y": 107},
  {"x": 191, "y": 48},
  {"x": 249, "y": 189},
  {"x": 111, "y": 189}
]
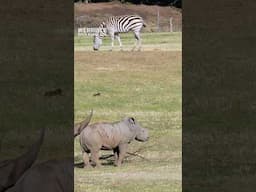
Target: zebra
[{"x": 119, "y": 24}]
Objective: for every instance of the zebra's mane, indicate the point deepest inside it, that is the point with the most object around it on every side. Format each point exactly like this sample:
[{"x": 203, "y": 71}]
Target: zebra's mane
[
  {"x": 103, "y": 24},
  {"x": 119, "y": 16}
]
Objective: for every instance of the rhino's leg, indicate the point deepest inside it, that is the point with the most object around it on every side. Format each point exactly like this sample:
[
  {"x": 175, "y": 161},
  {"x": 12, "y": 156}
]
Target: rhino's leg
[
  {"x": 122, "y": 151},
  {"x": 116, "y": 155},
  {"x": 95, "y": 158},
  {"x": 86, "y": 160}
]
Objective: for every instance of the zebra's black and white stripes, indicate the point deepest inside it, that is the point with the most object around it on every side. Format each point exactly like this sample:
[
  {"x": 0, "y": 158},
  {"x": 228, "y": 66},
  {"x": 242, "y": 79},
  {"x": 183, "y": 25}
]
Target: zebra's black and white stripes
[{"x": 119, "y": 24}]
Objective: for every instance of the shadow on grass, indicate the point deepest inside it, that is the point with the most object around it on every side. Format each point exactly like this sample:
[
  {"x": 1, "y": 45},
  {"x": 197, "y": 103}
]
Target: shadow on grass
[
  {"x": 79, "y": 165},
  {"x": 109, "y": 162}
]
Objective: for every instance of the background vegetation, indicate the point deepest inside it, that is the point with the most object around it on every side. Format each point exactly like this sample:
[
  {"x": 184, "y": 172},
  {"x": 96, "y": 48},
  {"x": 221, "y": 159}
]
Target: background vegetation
[{"x": 156, "y": 17}]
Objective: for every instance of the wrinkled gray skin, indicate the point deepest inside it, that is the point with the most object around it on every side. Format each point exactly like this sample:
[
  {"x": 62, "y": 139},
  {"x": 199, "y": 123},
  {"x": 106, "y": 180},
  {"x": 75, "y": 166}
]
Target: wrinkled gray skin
[
  {"x": 110, "y": 136},
  {"x": 51, "y": 176},
  {"x": 12, "y": 170},
  {"x": 97, "y": 42}
]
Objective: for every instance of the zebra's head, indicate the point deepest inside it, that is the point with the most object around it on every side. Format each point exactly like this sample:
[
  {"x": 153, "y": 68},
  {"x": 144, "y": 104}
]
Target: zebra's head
[{"x": 97, "y": 41}]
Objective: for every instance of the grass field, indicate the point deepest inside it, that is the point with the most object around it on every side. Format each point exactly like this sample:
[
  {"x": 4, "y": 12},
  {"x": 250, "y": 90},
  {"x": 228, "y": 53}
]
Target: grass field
[
  {"x": 150, "y": 41},
  {"x": 147, "y": 86}
]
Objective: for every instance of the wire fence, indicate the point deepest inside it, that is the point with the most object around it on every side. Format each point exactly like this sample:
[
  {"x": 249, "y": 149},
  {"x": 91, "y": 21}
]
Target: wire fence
[{"x": 161, "y": 24}]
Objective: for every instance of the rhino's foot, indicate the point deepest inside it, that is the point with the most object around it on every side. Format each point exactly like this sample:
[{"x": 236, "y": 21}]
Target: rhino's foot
[
  {"x": 116, "y": 164},
  {"x": 88, "y": 166},
  {"x": 98, "y": 166}
]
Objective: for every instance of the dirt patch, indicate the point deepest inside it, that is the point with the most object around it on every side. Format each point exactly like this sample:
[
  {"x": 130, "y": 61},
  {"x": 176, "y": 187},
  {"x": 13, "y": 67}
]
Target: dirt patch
[{"x": 92, "y": 14}]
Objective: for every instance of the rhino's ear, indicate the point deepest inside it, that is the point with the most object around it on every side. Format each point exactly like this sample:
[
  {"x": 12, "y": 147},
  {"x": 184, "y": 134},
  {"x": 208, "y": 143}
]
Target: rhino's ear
[{"x": 131, "y": 120}]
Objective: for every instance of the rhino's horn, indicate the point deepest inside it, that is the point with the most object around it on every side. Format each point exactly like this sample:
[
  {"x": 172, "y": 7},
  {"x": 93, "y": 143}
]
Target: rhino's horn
[
  {"x": 12, "y": 170},
  {"x": 78, "y": 128}
]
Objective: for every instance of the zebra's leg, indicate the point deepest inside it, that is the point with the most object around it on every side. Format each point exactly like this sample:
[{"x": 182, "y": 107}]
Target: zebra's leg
[
  {"x": 120, "y": 43},
  {"x": 139, "y": 49},
  {"x": 135, "y": 44},
  {"x": 112, "y": 41},
  {"x": 137, "y": 41},
  {"x": 138, "y": 38}
]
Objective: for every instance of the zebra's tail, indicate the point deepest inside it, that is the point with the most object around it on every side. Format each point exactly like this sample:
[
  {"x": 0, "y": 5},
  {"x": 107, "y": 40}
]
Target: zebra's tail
[{"x": 144, "y": 24}]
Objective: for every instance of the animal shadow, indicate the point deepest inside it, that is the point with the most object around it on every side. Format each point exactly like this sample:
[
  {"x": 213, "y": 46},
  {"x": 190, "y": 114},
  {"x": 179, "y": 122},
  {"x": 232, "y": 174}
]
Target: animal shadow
[{"x": 108, "y": 161}]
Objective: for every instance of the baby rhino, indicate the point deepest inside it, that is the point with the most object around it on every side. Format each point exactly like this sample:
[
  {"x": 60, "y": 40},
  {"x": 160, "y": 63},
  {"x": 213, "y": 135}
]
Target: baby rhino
[{"x": 110, "y": 136}]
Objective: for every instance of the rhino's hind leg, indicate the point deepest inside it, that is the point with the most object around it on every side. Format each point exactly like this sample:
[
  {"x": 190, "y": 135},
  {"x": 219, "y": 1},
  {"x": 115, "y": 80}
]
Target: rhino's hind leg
[
  {"x": 86, "y": 160},
  {"x": 95, "y": 158}
]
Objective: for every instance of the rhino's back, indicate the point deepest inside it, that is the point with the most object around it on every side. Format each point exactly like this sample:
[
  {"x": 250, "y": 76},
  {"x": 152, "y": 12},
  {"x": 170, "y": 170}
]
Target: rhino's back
[{"x": 106, "y": 134}]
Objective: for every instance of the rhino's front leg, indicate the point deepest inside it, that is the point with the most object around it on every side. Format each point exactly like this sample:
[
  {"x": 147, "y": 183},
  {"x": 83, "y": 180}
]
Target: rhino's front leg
[{"x": 122, "y": 151}]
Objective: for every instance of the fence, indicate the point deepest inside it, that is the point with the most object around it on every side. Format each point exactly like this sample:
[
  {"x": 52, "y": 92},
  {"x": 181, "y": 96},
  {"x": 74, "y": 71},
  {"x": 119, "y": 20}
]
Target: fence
[
  {"x": 161, "y": 24},
  {"x": 166, "y": 24}
]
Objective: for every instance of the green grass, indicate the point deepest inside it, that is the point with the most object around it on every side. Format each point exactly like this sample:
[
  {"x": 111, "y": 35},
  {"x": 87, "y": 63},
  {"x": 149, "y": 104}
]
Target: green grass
[
  {"x": 147, "y": 86},
  {"x": 152, "y": 41}
]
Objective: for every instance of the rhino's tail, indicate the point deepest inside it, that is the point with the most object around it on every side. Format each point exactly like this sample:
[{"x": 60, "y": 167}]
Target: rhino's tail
[
  {"x": 79, "y": 127},
  {"x": 86, "y": 122}
]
